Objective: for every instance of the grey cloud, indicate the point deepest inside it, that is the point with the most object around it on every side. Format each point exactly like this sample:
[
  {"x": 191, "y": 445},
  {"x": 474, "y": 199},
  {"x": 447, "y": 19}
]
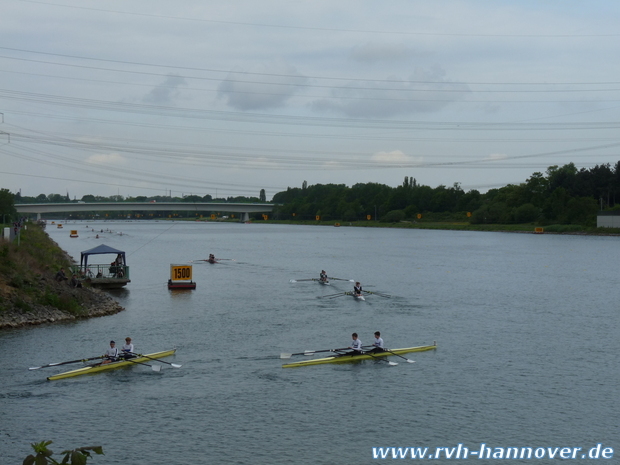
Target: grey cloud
[
  {"x": 258, "y": 92},
  {"x": 426, "y": 91},
  {"x": 165, "y": 92}
]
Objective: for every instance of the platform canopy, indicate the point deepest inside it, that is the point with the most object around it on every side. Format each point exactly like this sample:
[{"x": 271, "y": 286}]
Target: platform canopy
[{"x": 101, "y": 249}]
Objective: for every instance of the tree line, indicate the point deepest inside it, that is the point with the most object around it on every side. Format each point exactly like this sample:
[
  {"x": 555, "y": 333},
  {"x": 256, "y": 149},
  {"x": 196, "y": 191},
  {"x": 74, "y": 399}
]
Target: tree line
[{"x": 562, "y": 195}]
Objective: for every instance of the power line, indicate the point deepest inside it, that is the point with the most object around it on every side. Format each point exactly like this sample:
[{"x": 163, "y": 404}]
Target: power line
[
  {"x": 251, "y": 73},
  {"x": 247, "y": 117},
  {"x": 321, "y": 29}
]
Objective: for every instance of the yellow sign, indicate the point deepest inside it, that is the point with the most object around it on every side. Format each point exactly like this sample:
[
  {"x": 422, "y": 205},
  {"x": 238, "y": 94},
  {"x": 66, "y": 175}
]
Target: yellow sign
[
  {"x": 368, "y": 217},
  {"x": 419, "y": 215},
  {"x": 212, "y": 216},
  {"x": 468, "y": 214},
  {"x": 181, "y": 272},
  {"x": 318, "y": 218},
  {"x": 265, "y": 217}
]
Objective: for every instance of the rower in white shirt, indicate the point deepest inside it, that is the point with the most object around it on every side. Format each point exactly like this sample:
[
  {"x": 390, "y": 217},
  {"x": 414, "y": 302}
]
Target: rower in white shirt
[
  {"x": 377, "y": 344},
  {"x": 356, "y": 346},
  {"x": 111, "y": 355},
  {"x": 127, "y": 349}
]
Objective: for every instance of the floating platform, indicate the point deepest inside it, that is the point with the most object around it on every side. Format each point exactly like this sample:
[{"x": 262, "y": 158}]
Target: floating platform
[
  {"x": 181, "y": 285},
  {"x": 181, "y": 277}
]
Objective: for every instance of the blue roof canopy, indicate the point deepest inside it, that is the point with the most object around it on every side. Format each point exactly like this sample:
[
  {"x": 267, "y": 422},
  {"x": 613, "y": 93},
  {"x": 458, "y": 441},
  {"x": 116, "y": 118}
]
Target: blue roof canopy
[{"x": 101, "y": 249}]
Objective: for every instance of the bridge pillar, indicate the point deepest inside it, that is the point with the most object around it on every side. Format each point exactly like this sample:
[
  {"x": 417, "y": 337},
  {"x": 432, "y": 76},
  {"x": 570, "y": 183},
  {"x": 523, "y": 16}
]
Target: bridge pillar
[{"x": 245, "y": 216}]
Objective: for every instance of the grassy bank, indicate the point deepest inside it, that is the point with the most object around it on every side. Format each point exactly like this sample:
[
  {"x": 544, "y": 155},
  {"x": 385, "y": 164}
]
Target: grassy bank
[
  {"x": 462, "y": 226},
  {"x": 29, "y": 292}
]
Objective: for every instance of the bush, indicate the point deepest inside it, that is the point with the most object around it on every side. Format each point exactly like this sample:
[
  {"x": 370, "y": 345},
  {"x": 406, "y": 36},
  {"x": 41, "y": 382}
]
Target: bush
[
  {"x": 394, "y": 216},
  {"x": 43, "y": 455},
  {"x": 526, "y": 213}
]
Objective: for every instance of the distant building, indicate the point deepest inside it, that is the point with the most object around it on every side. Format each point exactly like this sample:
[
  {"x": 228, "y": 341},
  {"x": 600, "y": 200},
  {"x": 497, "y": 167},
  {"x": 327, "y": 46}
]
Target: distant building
[{"x": 608, "y": 219}]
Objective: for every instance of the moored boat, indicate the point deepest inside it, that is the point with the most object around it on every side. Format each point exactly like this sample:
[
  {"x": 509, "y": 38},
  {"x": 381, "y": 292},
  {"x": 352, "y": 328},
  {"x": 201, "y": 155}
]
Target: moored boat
[
  {"x": 112, "y": 275},
  {"x": 96, "y": 368},
  {"x": 355, "y": 358}
]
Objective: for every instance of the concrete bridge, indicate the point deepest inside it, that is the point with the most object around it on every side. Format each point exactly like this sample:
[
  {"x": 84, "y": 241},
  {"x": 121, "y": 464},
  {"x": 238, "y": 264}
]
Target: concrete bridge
[{"x": 243, "y": 209}]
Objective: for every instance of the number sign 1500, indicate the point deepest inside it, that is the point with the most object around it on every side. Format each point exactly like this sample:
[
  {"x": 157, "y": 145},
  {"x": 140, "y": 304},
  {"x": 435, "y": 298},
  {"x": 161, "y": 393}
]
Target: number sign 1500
[{"x": 181, "y": 273}]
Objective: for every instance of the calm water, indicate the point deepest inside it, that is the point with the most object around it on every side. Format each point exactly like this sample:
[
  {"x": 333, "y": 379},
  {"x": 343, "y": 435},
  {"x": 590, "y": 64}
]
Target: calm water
[{"x": 526, "y": 325}]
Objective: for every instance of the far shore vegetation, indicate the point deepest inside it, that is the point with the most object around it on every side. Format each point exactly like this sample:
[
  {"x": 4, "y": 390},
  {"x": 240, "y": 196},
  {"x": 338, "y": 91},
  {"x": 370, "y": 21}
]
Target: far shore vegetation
[{"x": 562, "y": 200}]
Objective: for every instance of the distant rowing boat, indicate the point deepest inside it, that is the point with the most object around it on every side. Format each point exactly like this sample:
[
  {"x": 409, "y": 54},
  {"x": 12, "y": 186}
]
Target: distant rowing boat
[
  {"x": 355, "y": 358},
  {"x": 112, "y": 365}
]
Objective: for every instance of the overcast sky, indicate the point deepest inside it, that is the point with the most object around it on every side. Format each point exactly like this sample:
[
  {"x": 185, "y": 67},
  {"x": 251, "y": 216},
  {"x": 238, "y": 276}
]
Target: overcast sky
[{"x": 148, "y": 97}]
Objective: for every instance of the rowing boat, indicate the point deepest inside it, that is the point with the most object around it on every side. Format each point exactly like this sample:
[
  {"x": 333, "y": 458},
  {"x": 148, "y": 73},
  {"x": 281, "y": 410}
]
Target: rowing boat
[
  {"x": 112, "y": 365},
  {"x": 356, "y": 296},
  {"x": 355, "y": 358}
]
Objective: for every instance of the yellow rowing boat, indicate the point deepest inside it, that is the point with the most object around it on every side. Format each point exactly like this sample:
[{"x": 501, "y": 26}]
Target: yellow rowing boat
[
  {"x": 112, "y": 365},
  {"x": 355, "y": 358}
]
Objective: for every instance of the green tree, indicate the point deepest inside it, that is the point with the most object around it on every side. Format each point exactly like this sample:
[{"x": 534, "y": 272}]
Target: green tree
[
  {"x": 56, "y": 198},
  {"x": 555, "y": 207},
  {"x": 262, "y": 196},
  {"x": 7, "y": 205},
  {"x": 192, "y": 198},
  {"x": 394, "y": 216},
  {"x": 526, "y": 213},
  {"x": 581, "y": 210},
  {"x": 43, "y": 455}
]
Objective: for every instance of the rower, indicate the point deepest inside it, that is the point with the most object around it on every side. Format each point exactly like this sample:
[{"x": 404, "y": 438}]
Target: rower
[
  {"x": 127, "y": 349},
  {"x": 211, "y": 258},
  {"x": 377, "y": 345},
  {"x": 357, "y": 289},
  {"x": 111, "y": 355},
  {"x": 323, "y": 276},
  {"x": 356, "y": 346}
]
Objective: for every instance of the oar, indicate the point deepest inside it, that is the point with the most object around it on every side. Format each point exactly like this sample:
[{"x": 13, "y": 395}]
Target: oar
[
  {"x": 158, "y": 360},
  {"x": 154, "y": 367},
  {"x": 332, "y": 295},
  {"x": 65, "y": 363},
  {"x": 298, "y": 280},
  {"x": 405, "y": 358},
  {"x": 341, "y": 279},
  {"x": 382, "y": 360},
  {"x": 309, "y": 352},
  {"x": 380, "y": 294},
  {"x": 231, "y": 259}
]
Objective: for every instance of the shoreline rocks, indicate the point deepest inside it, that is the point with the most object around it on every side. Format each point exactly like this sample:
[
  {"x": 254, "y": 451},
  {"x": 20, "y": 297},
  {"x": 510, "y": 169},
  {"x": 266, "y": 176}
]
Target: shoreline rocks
[{"x": 99, "y": 304}]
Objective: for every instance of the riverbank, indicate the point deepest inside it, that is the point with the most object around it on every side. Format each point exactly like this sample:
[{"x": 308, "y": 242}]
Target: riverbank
[
  {"x": 463, "y": 226},
  {"x": 29, "y": 292}
]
